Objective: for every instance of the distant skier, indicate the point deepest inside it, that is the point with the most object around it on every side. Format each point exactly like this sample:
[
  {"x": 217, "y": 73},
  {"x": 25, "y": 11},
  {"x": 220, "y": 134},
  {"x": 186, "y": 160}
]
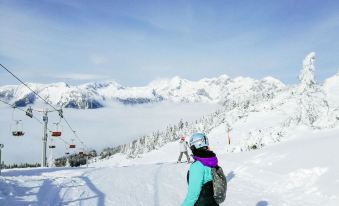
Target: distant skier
[
  {"x": 183, "y": 149},
  {"x": 207, "y": 183}
]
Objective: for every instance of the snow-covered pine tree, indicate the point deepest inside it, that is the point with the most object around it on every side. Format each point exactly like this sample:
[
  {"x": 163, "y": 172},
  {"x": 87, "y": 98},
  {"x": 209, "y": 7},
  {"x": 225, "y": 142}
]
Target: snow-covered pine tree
[{"x": 306, "y": 76}]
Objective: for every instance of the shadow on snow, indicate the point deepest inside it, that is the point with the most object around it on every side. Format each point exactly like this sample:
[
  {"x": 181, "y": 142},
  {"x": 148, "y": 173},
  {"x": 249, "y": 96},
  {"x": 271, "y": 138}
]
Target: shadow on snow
[
  {"x": 35, "y": 171},
  {"x": 262, "y": 203},
  {"x": 45, "y": 194}
]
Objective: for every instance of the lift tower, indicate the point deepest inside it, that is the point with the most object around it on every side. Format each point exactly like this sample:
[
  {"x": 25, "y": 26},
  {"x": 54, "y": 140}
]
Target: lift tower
[{"x": 44, "y": 140}]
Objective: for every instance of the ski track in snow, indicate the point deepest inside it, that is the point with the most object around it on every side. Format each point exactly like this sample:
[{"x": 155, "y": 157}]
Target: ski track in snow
[
  {"x": 290, "y": 173},
  {"x": 296, "y": 172},
  {"x": 252, "y": 180}
]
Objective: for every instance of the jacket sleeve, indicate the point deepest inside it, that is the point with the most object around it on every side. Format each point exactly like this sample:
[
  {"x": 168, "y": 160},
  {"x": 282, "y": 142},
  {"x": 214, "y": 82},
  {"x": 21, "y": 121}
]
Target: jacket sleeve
[{"x": 196, "y": 178}]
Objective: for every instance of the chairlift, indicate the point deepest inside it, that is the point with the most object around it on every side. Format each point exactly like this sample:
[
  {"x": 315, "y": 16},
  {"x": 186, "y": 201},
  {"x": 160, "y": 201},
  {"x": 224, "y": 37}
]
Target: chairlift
[
  {"x": 51, "y": 144},
  {"x": 61, "y": 113},
  {"x": 17, "y": 128},
  {"x": 81, "y": 153},
  {"x": 29, "y": 112},
  {"x": 18, "y": 133},
  {"x": 72, "y": 146},
  {"x": 57, "y": 131},
  {"x": 67, "y": 151},
  {"x": 56, "y": 134}
]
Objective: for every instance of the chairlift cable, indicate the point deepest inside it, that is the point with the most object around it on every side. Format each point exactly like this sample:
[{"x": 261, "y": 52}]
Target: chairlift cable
[
  {"x": 39, "y": 121},
  {"x": 66, "y": 143},
  {"x": 74, "y": 132},
  {"x": 15, "y": 107},
  {"x": 58, "y": 110},
  {"x": 27, "y": 86}
]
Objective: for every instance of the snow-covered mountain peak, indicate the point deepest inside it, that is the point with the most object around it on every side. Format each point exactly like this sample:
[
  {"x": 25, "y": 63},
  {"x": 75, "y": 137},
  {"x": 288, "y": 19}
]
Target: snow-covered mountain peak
[
  {"x": 222, "y": 77},
  {"x": 176, "y": 82},
  {"x": 176, "y": 89},
  {"x": 59, "y": 84},
  {"x": 102, "y": 84},
  {"x": 273, "y": 81},
  {"x": 162, "y": 82}
]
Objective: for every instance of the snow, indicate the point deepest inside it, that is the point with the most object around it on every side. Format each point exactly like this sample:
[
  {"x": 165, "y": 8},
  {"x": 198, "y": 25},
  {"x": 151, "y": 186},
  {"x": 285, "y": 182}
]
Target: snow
[
  {"x": 331, "y": 88},
  {"x": 290, "y": 173},
  {"x": 306, "y": 76}
]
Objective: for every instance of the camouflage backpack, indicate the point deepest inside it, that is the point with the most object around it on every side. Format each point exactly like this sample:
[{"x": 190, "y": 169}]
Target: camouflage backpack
[{"x": 219, "y": 184}]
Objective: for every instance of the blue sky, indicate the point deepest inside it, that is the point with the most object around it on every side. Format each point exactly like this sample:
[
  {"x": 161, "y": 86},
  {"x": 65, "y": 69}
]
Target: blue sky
[{"x": 134, "y": 42}]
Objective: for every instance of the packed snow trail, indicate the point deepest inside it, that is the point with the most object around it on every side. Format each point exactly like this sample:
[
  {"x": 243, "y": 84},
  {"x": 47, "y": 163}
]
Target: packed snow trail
[
  {"x": 129, "y": 185},
  {"x": 298, "y": 172}
]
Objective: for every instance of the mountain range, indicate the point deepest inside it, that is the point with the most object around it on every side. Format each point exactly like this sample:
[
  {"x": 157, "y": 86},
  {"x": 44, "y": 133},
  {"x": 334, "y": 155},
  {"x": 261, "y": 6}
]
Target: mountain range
[{"x": 100, "y": 94}]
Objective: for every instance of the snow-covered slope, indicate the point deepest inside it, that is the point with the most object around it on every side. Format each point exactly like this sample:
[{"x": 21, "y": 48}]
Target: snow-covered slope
[
  {"x": 297, "y": 172},
  {"x": 331, "y": 88},
  {"x": 99, "y": 94}
]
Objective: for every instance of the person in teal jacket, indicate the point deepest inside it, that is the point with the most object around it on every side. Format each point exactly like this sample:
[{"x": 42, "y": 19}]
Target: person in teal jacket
[{"x": 199, "y": 176}]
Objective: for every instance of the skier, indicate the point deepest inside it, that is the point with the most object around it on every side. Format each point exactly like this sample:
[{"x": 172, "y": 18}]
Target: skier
[
  {"x": 183, "y": 149},
  {"x": 199, "y": 177}
]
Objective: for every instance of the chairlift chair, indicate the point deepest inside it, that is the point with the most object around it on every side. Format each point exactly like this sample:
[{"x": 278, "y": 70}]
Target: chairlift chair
[
  {"x": 61, "y": 113},
  {"x": 56, "y": 132},
  {"x": 72, "y": 146},
  {"x": 16, "y": 128},
  {"x": 51, "y": 146},
  {"x": 29, "y": 112},
  {"x": 18, "y": 133}
]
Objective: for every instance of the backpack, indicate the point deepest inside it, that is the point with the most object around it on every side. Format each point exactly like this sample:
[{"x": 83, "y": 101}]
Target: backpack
[{"x": 219, "y": 184}]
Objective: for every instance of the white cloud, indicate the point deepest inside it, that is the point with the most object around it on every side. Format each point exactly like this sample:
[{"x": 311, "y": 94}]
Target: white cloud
[
  {"x": 81, "y": 76},
  {"x": 98, "y": 59}
]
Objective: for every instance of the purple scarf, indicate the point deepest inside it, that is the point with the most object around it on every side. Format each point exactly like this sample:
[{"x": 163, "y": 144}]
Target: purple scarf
[{"x": 207, "y": 161}]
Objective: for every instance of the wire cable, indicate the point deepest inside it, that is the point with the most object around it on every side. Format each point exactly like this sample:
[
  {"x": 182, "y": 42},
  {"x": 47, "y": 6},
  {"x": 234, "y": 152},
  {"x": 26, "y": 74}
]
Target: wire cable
[
  {"x": 58, "y": 110},
  {"x": 49, "y": 130},
  {"x": 28, "y": 87},
  {"x": 15, "y": 107}
]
